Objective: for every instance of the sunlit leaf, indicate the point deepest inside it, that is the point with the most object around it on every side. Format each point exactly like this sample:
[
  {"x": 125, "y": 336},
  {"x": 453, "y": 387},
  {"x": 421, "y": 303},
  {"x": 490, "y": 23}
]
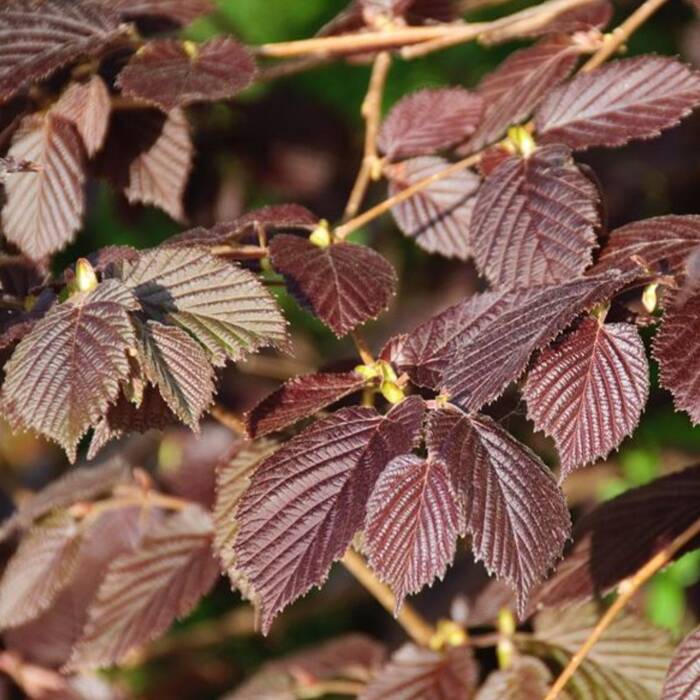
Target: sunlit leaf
[
  {"x": 307, "y": 501},
  {"x": 683, "y": 680},
  {"x": 170, "y": 73},
  {"x": 343, "y": 284},
  {"x": 44, "y": 209},
  {"x": 438, "y": 217},
  {"x": 527, "y": 679},
  {"x": 635, "y": 98},
  {"x": 534, "y": 220},
  {"x": 588, "y": 392}
]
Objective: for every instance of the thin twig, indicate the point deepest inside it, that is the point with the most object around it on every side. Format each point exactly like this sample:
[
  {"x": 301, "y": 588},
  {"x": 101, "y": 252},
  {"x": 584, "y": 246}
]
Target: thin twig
[
  {"x": 228, "y": 419},
  {"x": 372, "y": 113},
  {"x": 362, "y": 348},
  {"x": 344, "y": 230},
  {"x": 622, "y": 33},
  {"x": 419, "y": 629},
  {"x": 324, "y": 688},
  {"x": 628, "y": 589}
]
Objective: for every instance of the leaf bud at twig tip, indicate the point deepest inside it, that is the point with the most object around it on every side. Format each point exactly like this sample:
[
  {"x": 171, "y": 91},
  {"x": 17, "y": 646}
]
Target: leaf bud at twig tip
[
  {"x": 321, "y": 235},
  {"x": 190, "y": 48},
  {"x": 392, "y": 392},
  {"x": 650, "y": 297},
  {"x": 85, "y": 277},
  {"x": 522, "y": 141}
]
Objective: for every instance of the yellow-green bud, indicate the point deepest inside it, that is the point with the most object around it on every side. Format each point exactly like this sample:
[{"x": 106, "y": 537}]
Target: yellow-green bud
[
  {"x": 392, "y": 392},
  {"x": 650, "y": 298},
  {"x": 85, "y": 278},
  {"x": 321, "y": 235},
  {"x": 522, "y": 141},
  {"x": 191, "y": 49},
  {"x": 367, "y": 372}
]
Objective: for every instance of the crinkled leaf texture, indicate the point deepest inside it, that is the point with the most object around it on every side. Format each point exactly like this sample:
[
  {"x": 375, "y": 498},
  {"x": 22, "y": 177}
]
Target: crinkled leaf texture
[
  {"x": 44, "y": 209},
  {"x": 298, "y": 398},
  {"x": 487, "y": 361},
  {"x": 519, "y": 84},
  {"x": 635, "y": 98},
  {"x": 612, "y": 542},
  {"x": 169, "y": 73},
  {"x": 429, "y": 121},
  {"x": 413, "y": 521},
  {"x": 683, "y": 680},
  {"x": 64, "y": 375},
  {"x": 515, "y": 512},
  {"x": 44, "y": 562},
  {"x": 588, "y": 392},
  {"x": 438, "y": 217},
  {"x": 629, "y": 662},
  {"x": 224, "y": 307},
  {"x": 343, "y": 284},
  {"x": 159, "y": 175},
  {"x": 661, "y": 244},
  {"x": 535, "y": 220},
  {"x": 40, "y": 36},
  {"x": 594, "y": 15},
  {"x": 527, "y": 679},
  {"x": 414, "y": 673},
  {"x": 180, "y": 11},
  {"x": 307, "y": 501},
  {"x": 88, "y": 106},
  {"x": 144, "y": 591},
  {"x": 676, "y": 349}
]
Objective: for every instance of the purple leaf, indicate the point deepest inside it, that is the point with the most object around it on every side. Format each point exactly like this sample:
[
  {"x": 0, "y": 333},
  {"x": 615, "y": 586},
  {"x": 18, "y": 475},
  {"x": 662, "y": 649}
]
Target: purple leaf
[
  {"x": 588, "y": 392},
  {"x": 413, "y": 521},
  {"x": 180, "y": 11},
  {"x": 429, "y": 121},
  {"x": 515, "y": 513},
  {"x": 527, "y": 679},
  {"x": 594, "y": 15},
  {"x": 683, "y": 679},
  {"x": 438, "y": 216},
  {"x": 535, "y": 219},
  {"x": 298, "y": 398},
  {"x": 307, "y": 501},
  {"x": 343, "y": 284},
  {"x": 635, "y": 98}
]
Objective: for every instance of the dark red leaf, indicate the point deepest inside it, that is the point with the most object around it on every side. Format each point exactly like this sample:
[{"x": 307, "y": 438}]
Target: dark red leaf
[
  {"x": 170, "y": 73},
  {"x": 40, "y": 36},
  {"x": 307, "y": 501},
  {"x": 180, "y": 11},
  {"x": 519, "y": 84},
  {"x": 621, "y": 535},
  {"x": 661, "y": 245},
  {"x": 415, "y": 673},
  {"x": 588, "y": 392},
  {"x": 44, "y": 209},
  {"x": 516, "y": 515},
  {"x": 635, "y": 98},
  {"x": 676, "y": 348},
  {"x": 343, "y": 284},
  {"x": 438, "y": 217},
  {"x": 429, "y": 121},
  {"x": 527, "y": 679},
  {"x": 595, "y": 15},
  {"x": 527, "y": 320},
  {"x": 88, "y": 106},
  {"x": 535, "y": 219},
  {"x": 683, "y": 680},
  {"x": 300, "y": 398},
  {"x": 413, "y": 521}
]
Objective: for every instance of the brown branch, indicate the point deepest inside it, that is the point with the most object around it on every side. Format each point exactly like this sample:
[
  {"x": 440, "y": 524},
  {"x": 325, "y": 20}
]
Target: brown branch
[
  {"x": 372, "y": 113},
  {"x": 627, "y": 589},
  {"x": 362, "y": 348},
  {"x": 324, "y": 688},
  {"x": 622, "y": 33},
  {"x": 228, "y": 419},
  {"x": 419, "y": 629}
]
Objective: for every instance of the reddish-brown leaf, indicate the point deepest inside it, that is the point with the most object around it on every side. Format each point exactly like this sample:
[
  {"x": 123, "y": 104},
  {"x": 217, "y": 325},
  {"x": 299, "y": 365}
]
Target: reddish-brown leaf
[
  {"x": 159, "y": 174},
  {"x": 429, "y": 121},
  {"x": 595, "y": 15},
  {"x": 635, "y": 98},
  {"x": 64, "y": 375},
  {"x": 298, "y": 398},
  {"x": 516, "y": 515},
  {"x": 40, "y": 36},
  {"x": 527, "y": 679},
  {"x": 44, "y": 209},
  {"x": 535, "y": 219},
  {"x": 588, "y": 392},
  {"x": 413, "y": 521},
  {"x": 683, "y": 680},
  {"x": 676, "y": 349},
  {"x": 415, "y": 673},
  {"x": 343, "y": 284},
  {"x": 144, "y": 591},
  {"x": 307, "y": 501},
  {"x": 438, "y": 217},
  {"x": 488, "y": 361},
  {"x": 519, "y": 84},
  {"x": 180, "y": 11},
  {"x": 170, "y": 73},
  {"x": 88, "y": 106},
  {"x": 661, "y": 245},
  {"x": 621, "y": 535}
]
